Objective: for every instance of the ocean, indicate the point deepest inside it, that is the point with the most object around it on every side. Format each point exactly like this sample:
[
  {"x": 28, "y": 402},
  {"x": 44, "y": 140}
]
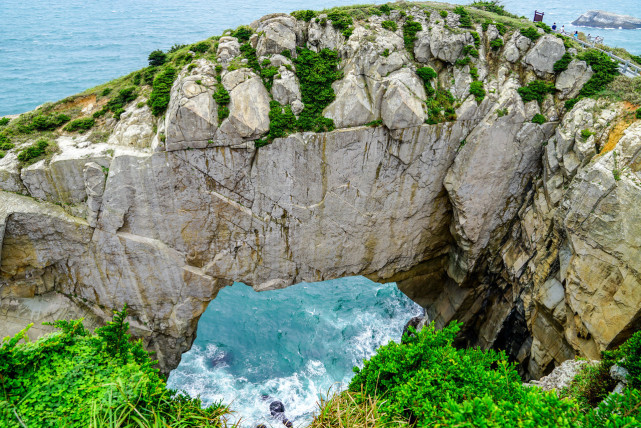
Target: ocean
[
  {"x": 294, "y": 345},
  {"x": 56, "y": 48}
]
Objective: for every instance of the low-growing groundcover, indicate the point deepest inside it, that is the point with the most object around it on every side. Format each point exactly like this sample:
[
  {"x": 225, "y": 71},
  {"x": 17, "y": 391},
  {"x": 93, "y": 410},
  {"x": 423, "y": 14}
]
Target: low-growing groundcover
[
  {"x": 72, "y": 378},
  {"x": 426, "y": 382}
]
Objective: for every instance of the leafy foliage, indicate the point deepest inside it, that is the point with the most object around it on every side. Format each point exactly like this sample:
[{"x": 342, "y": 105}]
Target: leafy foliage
[
  {"x": 530, "y": 33},
  {"x": 638, "y": 114},
  {"x": 493, "y": 6},
  {"x": 536, "y": 90},
  {"x": 243, "y": 33},
  {"x": 159, "y": 98},
  {"x": 389, "y": 25},
  {"x": 156, "y": 58},
  {"x": 464, "y": 19},
  {"x": 282, "y": 122},
  {"x": 476, "y": 89},
  {"x": 410, "y": 28},
  {"x": 385, "y": 8},
  {"x": 605, "y": 70},
  {"x": 74, "y": 379},
  {"x": 544, "y": 26},
  {"x": 427, "y": 74},
  {"x": 477, "y": 39},
  {"x": 4, "y": 121},
  {"x": 33, "y": 151},
  {"x": 342, "y": 21},
  {"x": 562, "y": 64},
  {"x": 222, "y": 98},
  {"x": 443, "y": 13},
  {"x": 304, "y": 15},
  {"x": 316, "y": 72},
  {"x": 496, "y": 44},
  {"x": 80, "y": 125},
  {"x": 539, "y": 118},
  {"x": 471, "y": 51},
  {"x": 632, "y": 352},
  {"x": 200, "y": 47}
]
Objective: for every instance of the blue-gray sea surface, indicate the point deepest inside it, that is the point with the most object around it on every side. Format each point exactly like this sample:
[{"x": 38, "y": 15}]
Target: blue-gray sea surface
[
  {"x": 56, "y": 48},
  {"x": 293, "y": 344}
]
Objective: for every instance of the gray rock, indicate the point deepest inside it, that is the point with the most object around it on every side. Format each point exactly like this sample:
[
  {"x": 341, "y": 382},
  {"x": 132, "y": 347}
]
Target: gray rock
[
  {"x": 402, "y": 105},
  {"x": 602, "y": 19},
  {"x": 352, "y": 106},
  {"x": 570, "y": 81},
  {"x": 286, "y": 88},
  {"x": 547, "y": 51},
  {"x": 277, "y": 34},
  {"x": 248, "y": 110},
  {"x": 228, "y": 48}
]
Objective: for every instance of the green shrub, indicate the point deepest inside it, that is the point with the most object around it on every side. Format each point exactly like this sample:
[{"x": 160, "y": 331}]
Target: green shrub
[
  {"x": 375, "y": 123},
  {"x": 157, "y": 58},
  {"x": 200, "y": 47},
  {"x": 496, "y": 44},
  {"x": 385, "y": 53},
  {"x": 2, "y": 154},
  {"x": 493, "y": 6},
  {"x": 389, "y": 25},
  {"x": 502, "y": 29},
  {"x": 316, "y": 72},
  {"x": 474, "y": 72},
  {"x": 33, "y": 151},
  {"x": 476, "y": 89},
  {"x": 536, "y": 90},
  {"x": 530, "y": 33},
  {"x": 4, "y": 140},
  {"x": 464, "y": 20},
  {"x": 632, "y": 353},
  {"x": 80, "y": 125},
  {"x": 106, "y": 92},
  {"x": 605, "y": 70},
  {"x": 427, "y": 74},
  {"x": 477, "y": 39},
  {"x": 282, "y": 122},
  {"x": 638, "y": 115},
  {"x": 569, "y": 104},
  {"x": 4, "y": 121},
  {"x": 6, "y": 146},
  {"x": 462, "y": 62},
  {"x": 544, "y": 26},
  {"x": 304, "y": 15},
  {"x": 471, "y": 51},
  {"x": 590, "y": 386},
  {"x": 562, "y": 64},
  {"x": 74, "y": 379},
  {"x": 243, "y": 33},
  {"x": 410, "y": 28},
  {"x": 159, "y": 98},
  {"x": 118, "y": 103},
  {"x": 502, "y": 112},
  {"x": 384, "y": 8},
  {"x": 46, "y": 122},
  {"x": 443, "y": 13},
  {"x": 249, "y": 53},
  {"x": 586, "y": 133},
  {"x": 341, "y": 21},
  {"x": 539, "y": 118}
]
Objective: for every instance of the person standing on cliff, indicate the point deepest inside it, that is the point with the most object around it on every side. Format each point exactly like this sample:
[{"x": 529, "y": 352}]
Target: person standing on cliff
[{"x": 554, "y": 27}]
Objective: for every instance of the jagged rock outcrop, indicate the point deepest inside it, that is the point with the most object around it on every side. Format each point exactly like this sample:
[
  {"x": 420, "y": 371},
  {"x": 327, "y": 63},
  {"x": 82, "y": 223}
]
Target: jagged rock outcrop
[
  {"x": 602, "y": 19},
  {"x": 526, "y": 233}
]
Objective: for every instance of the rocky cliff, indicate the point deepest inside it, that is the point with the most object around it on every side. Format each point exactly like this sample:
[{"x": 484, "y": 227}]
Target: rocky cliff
[{"x": 519, "y": 229}]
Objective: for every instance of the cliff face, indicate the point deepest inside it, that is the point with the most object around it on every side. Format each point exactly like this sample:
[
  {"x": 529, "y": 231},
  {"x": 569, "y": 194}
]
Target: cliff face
[{"x": 518, "y": 229}]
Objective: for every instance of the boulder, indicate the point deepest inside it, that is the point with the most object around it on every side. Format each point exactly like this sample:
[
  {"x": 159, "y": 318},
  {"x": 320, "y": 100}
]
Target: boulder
[
  {"x": 286, "y": 88},
  {"x": 547, "y": 51},
  {"x": 402, "y": 105},
  {"x": 248, "y": 108},
  {"x": 135, "y": 127},
  {"x": 352, "y": 106},
  {"x": 448, "y": 46},
  {"x": 277, "y": 34},
  {"x": 228, "y": 48},
  {"x": 570, "y": 81}
]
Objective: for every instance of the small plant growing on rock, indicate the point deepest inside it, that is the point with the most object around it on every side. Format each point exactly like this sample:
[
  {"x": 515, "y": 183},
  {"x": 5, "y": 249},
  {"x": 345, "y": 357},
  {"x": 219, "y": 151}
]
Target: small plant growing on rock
[
  {"x": 221, "y": 96},
  {"x": 502, "y": 112},
  {"x": 385, "y": 8},
  {"x": 539, "y": 119},
  {"x": 443, "y": 13},
  {"x": 427, "y": 74},
  {"x": 389, "y": 25},
  {"x": 4, "y": 121},
  {"x": 385, "y": 53},
  {"x": 562, "y": 64},
  {"x": 638, "y": 114},
  {"x": 477, "y": 39},
  {"x": 200, "y": 47},
  {"x": 464, "y": 20},
  {"x": 462, "y": 62},
  {"x": 471, "y": 51},
  {"x": 410, "y": 28},
  {"x": 159, "y": 98},
  {"x": 536, "y": 90},
  {"x": 586, "y": 133},
  {"x": 530, "y": 33},
  {"x": 304, "y": 15},
  {"x": 157, "y": 58},
  {"x": 80, "y": 125},
  {"x": 496, "y": 44},
  {"x": 33, "y": 152},
  {"x": 243, "y": 33},
  {"x": 476, "y": 89},
  {"x": 342, "y": 21},
  {"x": 474, "y": 72}
]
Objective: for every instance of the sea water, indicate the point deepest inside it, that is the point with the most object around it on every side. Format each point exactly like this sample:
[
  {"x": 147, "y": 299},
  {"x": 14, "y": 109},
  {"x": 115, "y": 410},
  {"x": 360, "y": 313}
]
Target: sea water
[
  {"x": 294, "y": 345},
  {"x": 56, "y": 48}
]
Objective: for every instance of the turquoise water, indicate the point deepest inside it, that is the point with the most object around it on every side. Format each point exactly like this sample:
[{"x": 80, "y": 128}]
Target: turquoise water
[
  {"x": 292, "y": 344},
  {"x": 55, "y": 48}
]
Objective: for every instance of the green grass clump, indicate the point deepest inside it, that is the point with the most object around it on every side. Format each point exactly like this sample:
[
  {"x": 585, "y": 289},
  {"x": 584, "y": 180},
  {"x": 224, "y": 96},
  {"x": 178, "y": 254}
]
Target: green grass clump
[
  {"x": 4, "y": 121},
  {"x": 385, "y": 9},
  {"x": 159, "y": 98},
  {"x": 536, "y": 90},
  {"x": 605, "y": 70},
  {"x": 530, "y": 33},
  {"x": 316, "y": 72},
  {"x": 586, "y": 133},
  {"x": 462, "y": 62},
  {"x": 80, "y": 125},
  {"x": 410, "y": 28},
  {"x": 443, "y": 13},
  {"x": 638, "y": 114},
  {"x": 471, "y": 51},
  {"x": 545, "y": 27},
  {"x": 33, "y": 152},
  {"x": 539, "y": 118},
  {"x": 342, "y": 21},
  {"x": 43, "y": 122},
  {"x": 427, "y": 74},
  {"x": 222, "y": 98},
  {"x": 562, "y": 64},
  {"x": 440, "y": 107},
  {"x": 493, "y": 6},
  {"x": 304, "y": 15},
  {"x": 74, "y": 379},
  {"x": 200, "y": 47},
  {"x": 282, "y": 122},
  {"x": 389, "y": 25},
  {"x": 496, "y": 44},
  {"x": 477, "y": 39},
  {"x": 464, "y": 19},
  {"x": 476, "y": 89},
  {"x": 243, "y": 33}
]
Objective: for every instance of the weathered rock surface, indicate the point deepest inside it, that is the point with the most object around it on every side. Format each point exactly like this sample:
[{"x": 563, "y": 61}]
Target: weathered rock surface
[
  {"x": 526, "y": 233},
  {"x": 602, "y": 19}
]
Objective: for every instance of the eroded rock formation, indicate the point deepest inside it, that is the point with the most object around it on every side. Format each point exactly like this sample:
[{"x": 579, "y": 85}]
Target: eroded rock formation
[{"x": 520, "y": 230}]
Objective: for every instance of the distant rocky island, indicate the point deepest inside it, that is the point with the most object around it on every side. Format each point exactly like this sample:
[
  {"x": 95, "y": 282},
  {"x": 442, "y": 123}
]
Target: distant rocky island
[{"x": 601, "y": 19}]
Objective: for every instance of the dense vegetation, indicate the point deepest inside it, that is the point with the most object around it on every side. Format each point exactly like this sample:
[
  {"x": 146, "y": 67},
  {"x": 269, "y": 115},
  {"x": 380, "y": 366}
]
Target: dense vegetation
[
  {"x": 72, "y": 378},
  {"x": 159, "y": 98},
  {"x": 605, "y": 71},
  {"x": 536, "y": 90},
  {"x": 425, "y": 381}
]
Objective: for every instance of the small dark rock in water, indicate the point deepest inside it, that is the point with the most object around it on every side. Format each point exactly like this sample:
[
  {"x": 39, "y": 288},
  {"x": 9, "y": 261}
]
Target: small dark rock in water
[
  {"x": 601, "y": 19},
  {"x": 276, "y": 407}
]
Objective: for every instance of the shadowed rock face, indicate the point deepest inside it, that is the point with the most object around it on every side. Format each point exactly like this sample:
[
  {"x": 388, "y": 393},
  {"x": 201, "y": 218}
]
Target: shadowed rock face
[
  {"x": 517, "y": 229},
  {"x": 602, "y": 19}
]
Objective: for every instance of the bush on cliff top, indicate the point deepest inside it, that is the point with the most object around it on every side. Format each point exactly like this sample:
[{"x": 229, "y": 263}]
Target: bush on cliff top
[
  {"x": 159, "y": 98},
  {"x": 72, "y": 378}
]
